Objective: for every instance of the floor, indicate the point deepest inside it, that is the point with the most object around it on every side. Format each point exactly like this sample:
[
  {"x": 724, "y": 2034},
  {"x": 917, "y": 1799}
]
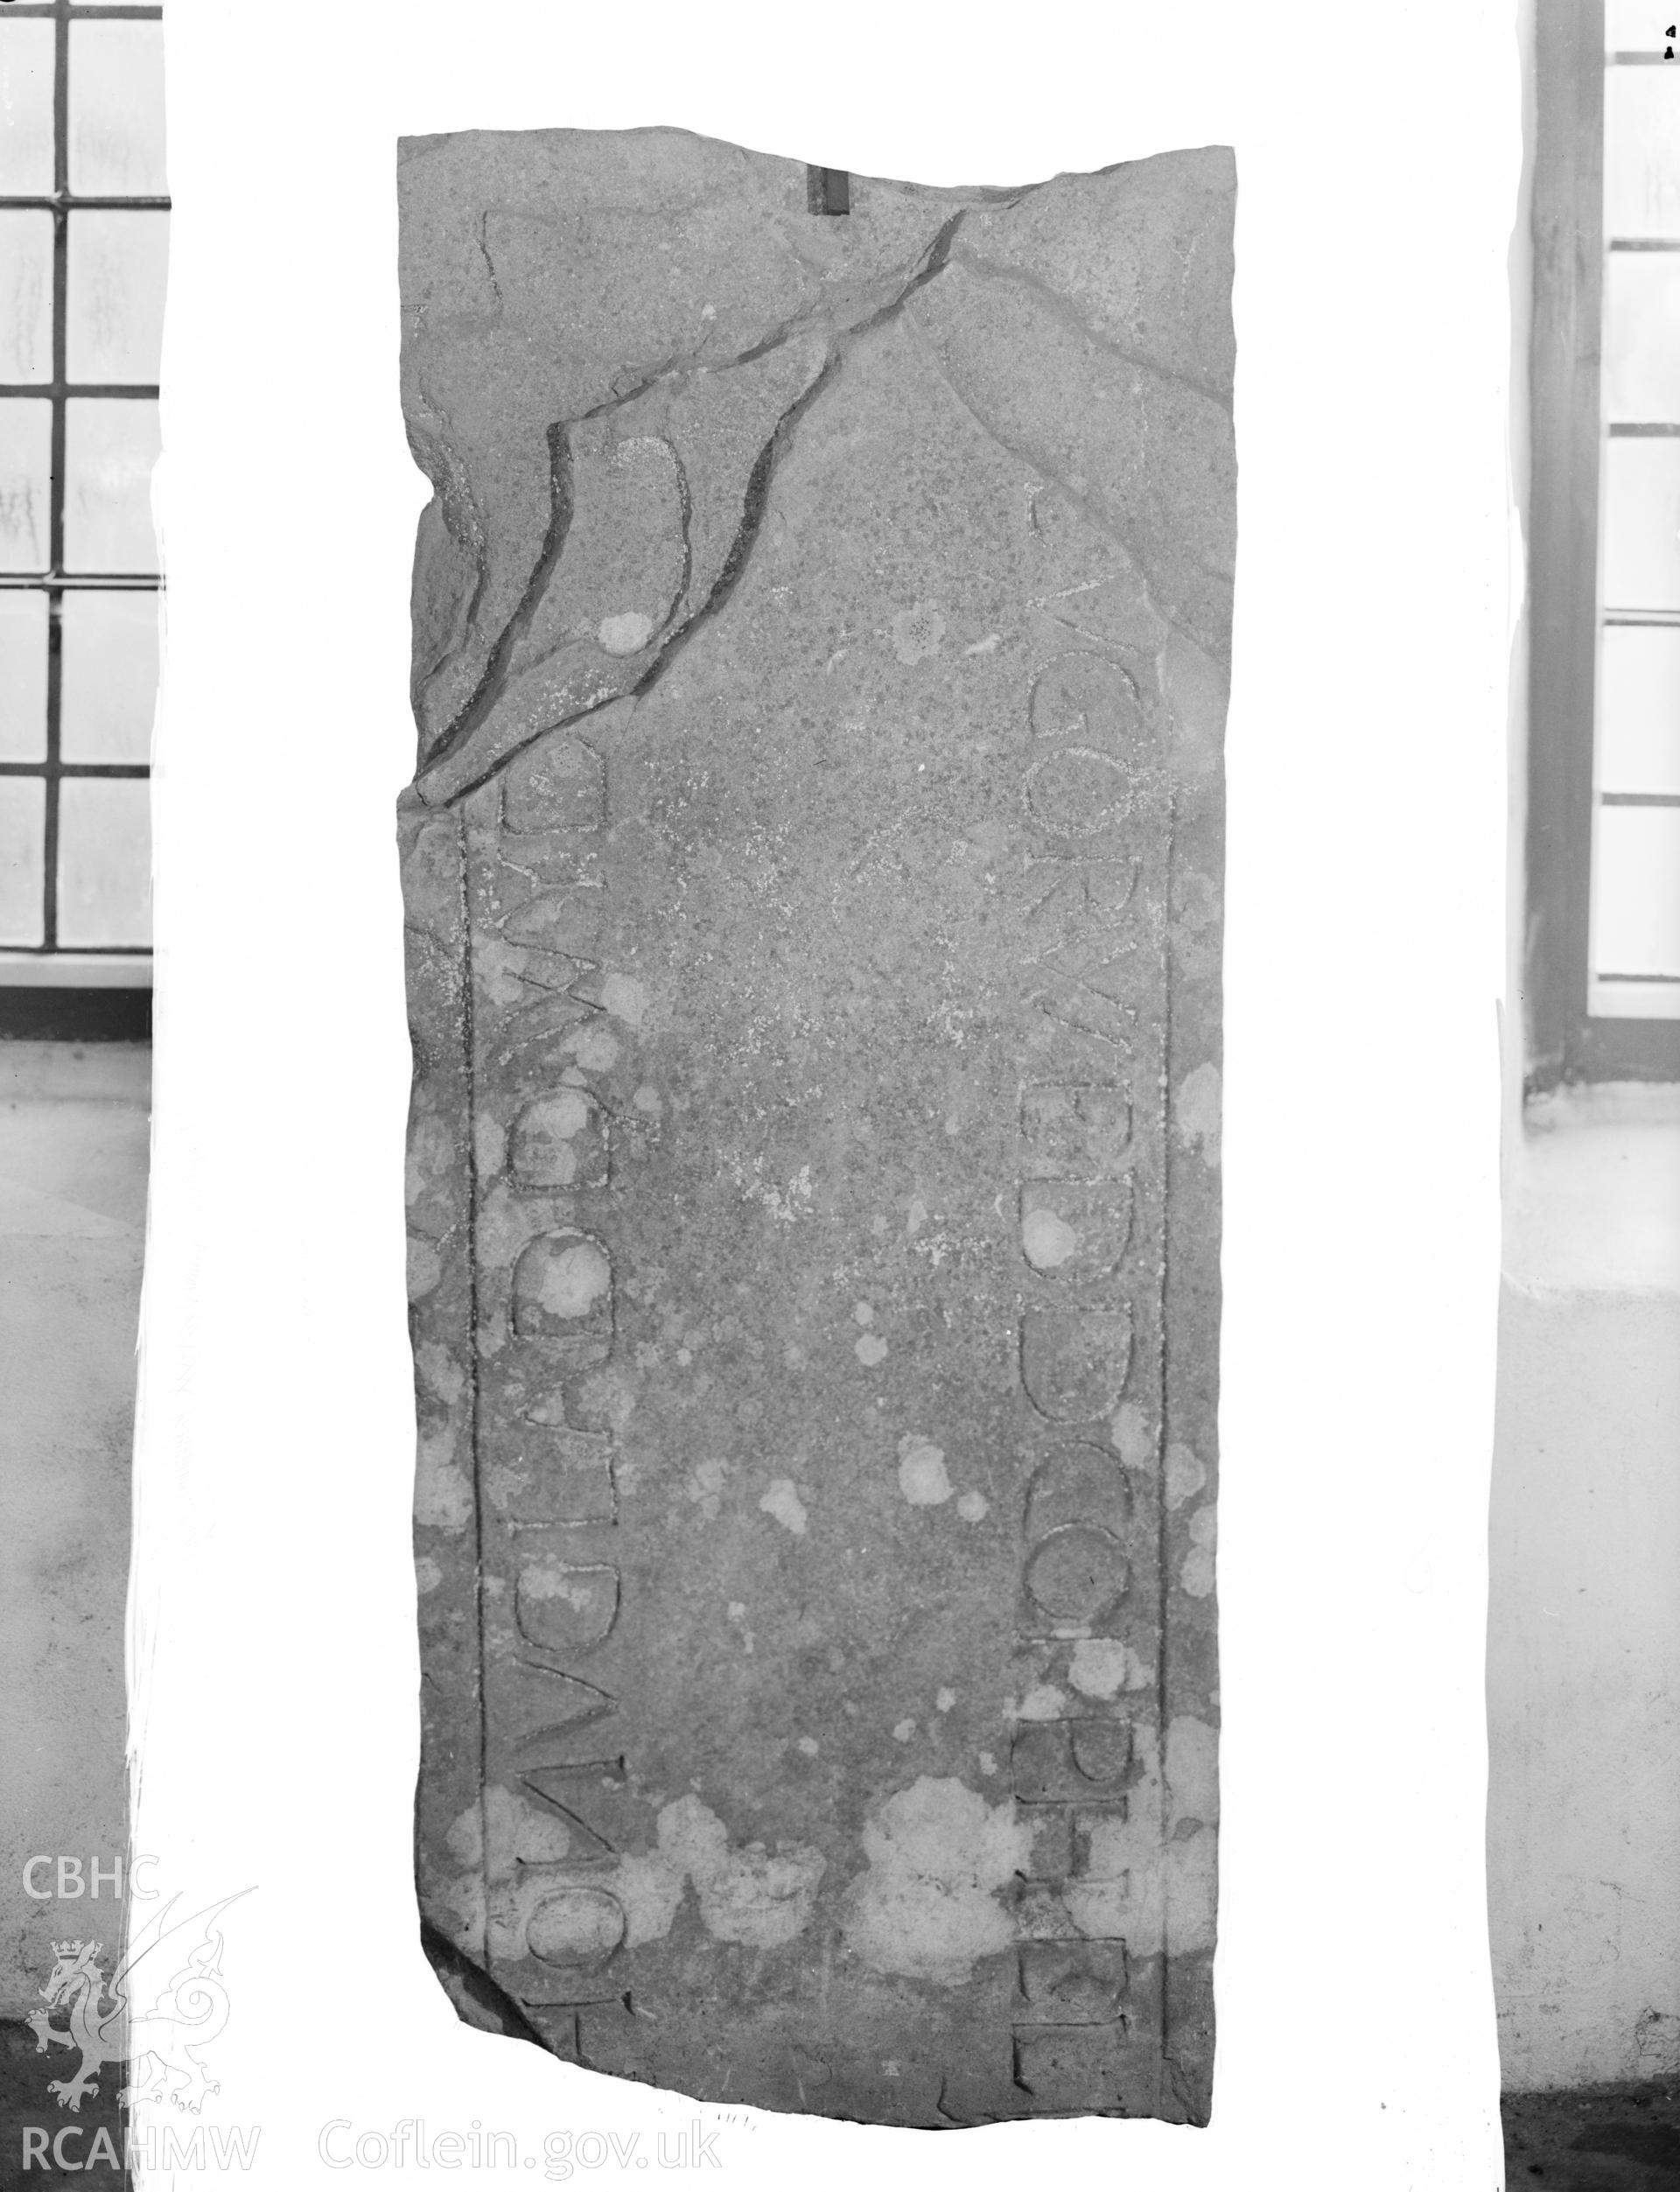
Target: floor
[
  {"x": 1593, "y": 2138},
  {"x": 74, "y": 1148}
]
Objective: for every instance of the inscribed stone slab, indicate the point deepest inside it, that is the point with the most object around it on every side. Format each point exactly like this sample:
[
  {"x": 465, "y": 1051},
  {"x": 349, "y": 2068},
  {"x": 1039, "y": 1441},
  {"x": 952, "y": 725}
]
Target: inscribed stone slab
[{"x": 813, "y": 876}]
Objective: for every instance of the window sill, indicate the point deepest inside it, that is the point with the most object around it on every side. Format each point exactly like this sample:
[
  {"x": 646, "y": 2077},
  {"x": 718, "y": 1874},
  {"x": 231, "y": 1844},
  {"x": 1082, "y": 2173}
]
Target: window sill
[
  {"x": 1592, "y": 1191},
  {"x": 75, "y": 970}
]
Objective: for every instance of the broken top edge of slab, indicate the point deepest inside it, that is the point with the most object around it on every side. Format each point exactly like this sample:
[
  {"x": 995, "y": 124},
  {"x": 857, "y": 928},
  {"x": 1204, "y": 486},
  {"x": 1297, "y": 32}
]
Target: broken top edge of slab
[
  {"x": 1219, "y": 159},
  {"x": 541, "y": 294}
]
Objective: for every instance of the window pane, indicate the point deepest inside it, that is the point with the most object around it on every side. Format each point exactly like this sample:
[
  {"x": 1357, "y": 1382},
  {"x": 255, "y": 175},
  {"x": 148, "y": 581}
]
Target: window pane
[
  {"x": 1642, "y": 525},
  {"x": 23, "y": 858},
  {"x": 1636, "y": 891},
  {"x": 109, "y": 676},
  {"x": 23, "y": 677},
  {"x": 1642, "y": 336},
  {"x": 1639, "y": 709},
  {"x": 26, "y": 108},
  {"x": 1641, "y": 151},
  {"x": 25, "y": 296},
  {"x": 1636, "y": 26},
  {"x": 116, "y": 110},
  {"x": 110, "y": 446},
  {"x": 114, "y": 328},
  {"x": 1634, "y": 1000},
  {"x": 26, "y": 470},
  {"x": 104, "y": 860}
]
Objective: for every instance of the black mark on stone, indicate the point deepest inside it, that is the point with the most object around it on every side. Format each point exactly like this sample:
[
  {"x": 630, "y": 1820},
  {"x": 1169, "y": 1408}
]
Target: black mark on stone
[
  {"x": 828, "y": 190},
  {"x": 478, "y": 1999}
]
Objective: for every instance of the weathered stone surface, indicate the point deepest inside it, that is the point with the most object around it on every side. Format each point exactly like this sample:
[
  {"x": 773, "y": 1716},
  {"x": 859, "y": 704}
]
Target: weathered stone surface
[{"x": 813, "y": 874}]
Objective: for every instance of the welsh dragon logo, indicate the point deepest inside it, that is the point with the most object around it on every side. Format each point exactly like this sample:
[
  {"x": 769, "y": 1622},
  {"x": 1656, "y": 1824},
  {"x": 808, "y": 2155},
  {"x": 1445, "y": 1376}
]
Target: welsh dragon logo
[{"x": 160, "y": 2043}]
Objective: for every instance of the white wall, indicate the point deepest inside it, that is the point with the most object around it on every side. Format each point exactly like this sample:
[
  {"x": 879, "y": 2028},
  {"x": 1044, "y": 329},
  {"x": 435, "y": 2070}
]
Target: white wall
[
  {"x": 1584, "y": 1548},
  {"x": 1583, "y": 1646}
]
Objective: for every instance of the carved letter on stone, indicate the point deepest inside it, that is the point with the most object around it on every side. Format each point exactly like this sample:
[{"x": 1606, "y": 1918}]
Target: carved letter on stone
[{"x": 813, "y": 873}]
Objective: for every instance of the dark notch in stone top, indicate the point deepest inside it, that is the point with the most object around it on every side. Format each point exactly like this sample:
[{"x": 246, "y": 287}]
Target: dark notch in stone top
[{"x": 828, "y": 190}]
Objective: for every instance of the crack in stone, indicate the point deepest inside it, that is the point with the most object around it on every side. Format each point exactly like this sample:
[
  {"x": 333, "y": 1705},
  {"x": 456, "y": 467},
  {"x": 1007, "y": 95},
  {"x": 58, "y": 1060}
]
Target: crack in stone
[
  {"x": 685, "y": 518},
  {"x": 934, "y": 260},
  {"x": 754, "y": 501},
  {"x": 1090, "y": 511},
  {"x": 493, "y": 679},
  {"x": 693, "y": 363},
  {"x": 668, "y": 369},
  {"x": 784, "y": 331},
  {"x": 490, "y": 264},
  {"x": 1065, "y": 309},
  {"x": 1081, "y": 503},
  {"x": 675, "y": 367},
  {"x": 494, "y": 675}
]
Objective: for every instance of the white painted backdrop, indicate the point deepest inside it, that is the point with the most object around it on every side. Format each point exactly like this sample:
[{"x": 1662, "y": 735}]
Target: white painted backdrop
[{"x": 273, "y": 1653}]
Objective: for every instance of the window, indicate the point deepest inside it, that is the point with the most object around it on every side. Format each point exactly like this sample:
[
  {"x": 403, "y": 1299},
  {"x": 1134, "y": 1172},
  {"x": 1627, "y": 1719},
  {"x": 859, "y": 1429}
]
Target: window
[
  {"x": 1604, "y": 823},
  {"x": 83, "y": 246}
]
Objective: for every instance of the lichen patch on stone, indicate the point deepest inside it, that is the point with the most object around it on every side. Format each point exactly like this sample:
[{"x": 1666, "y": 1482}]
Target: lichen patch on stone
[
  {"x": 923, "y": 1478},
  {"x": 625, "y": 633},
  {"x": 1103, "y": 1667},
  {"x": 1129, "y": 1433},
  {"x": 442, "y": 1491},
  {"x": 425, "y": 1268},
  {"x": 1043, "y": 1702},
  {"x": 625, "y": 998},
  {"x": 1149, "y": 1874},
  {"x": 1046, "y": 1240},
  {"x": 760, "y": 1897},
  {"x": 782, "y": 1502},
  {"x": 940, "y": 1859},
  {"x": 1186, "y": 1475},
  {"x": 1198, "y": 1113},
  {"x": 1197, "y": 1573},
  {"x": 595, "y": 1048},
  {"x": 574, "y": 1280}
]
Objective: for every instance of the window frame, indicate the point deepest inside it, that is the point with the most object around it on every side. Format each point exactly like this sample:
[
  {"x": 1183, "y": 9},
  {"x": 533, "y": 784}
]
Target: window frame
[
  {"x": 50, "y": 964},
  {"x": 1564, "y": 1042}
]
